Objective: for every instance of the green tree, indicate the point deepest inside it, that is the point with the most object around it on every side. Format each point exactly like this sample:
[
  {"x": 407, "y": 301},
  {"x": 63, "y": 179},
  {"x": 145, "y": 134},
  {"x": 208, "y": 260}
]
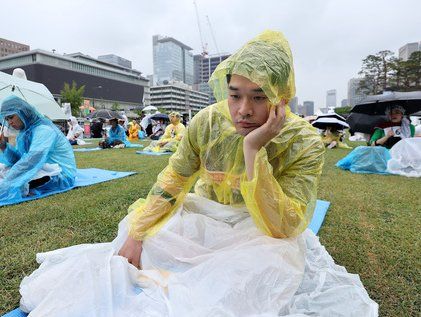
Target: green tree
[
  {"x": 399, "y": 79},
  {"x": 115, "y": 106},
  {"x": 414, "y": 70},
  {"x": 377, "y": 70},
  {"x": 73, "y": 95},
  {"x": 343, "y": 110}
]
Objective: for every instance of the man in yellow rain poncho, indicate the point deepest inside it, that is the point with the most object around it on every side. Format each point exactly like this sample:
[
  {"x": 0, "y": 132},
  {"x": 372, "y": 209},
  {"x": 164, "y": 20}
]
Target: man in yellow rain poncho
[
  {"x": 171, "y": 138},
  {"x": 247, "y": 149},
  {"x": 234, "y": 248}
]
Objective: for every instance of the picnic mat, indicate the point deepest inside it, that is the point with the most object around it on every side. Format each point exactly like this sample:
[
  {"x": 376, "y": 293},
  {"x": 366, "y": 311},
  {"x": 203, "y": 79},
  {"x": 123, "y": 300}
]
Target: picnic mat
[
  {"x": 130, "y": 146},
  {"x": 87, "y": 149},
  {"x": 84, "y": 177},
  {"x": 153, "y": 153},
  {"x": 319, "y": 215}
]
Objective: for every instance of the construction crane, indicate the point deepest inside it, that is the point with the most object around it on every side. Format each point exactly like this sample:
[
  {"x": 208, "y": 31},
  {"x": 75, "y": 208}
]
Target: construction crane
[
  {"x": 213, "y": 36},
  {"x": 204, "y": 45}
]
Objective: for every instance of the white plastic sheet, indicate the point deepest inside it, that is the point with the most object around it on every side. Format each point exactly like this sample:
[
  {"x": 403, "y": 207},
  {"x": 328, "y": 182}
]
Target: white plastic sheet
[
  {"x": 406, "y": 158},
  {"x": 208, "y": 260}
]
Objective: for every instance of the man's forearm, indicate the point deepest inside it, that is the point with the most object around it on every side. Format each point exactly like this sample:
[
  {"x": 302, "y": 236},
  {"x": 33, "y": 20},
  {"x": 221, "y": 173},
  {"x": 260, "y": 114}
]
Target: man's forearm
[{"x": 249, "y": 158}]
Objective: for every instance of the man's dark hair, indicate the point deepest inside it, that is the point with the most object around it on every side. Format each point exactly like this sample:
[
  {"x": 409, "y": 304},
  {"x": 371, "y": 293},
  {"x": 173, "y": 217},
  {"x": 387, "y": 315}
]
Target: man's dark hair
[{"x": 228, "y": 78}]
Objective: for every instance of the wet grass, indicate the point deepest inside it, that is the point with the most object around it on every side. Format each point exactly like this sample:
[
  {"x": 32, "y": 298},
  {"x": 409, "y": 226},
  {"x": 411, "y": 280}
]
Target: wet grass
[{"x": 372, "y": 227}]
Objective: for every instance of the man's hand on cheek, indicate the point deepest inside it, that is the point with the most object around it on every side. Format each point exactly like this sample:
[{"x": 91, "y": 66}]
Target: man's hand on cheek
[{"x": 259, "y": 137}]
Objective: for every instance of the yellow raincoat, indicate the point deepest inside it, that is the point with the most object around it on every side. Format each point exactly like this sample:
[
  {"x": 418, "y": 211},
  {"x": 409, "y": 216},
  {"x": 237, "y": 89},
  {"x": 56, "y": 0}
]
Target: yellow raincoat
[
  {"x": 329, "y": 137},
  {"x": 170, "y": 139},
  {"x": 133, "y": 131},
  {"x": 282, "y": 195}
]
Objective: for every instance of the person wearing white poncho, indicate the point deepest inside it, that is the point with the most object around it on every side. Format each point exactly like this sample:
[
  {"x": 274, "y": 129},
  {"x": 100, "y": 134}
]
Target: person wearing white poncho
[
  {"x": 75, "y": 133},
  {"x": 238, "y": 246}
]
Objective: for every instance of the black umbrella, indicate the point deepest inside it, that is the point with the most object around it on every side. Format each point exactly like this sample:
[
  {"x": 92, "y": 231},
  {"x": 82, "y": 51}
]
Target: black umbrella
[
  {"x": 364, "y": 123},
  {"x": 105, "y": 114},
  {"x": 161, "y": 116},
  {"x": 377, "y": 104}
]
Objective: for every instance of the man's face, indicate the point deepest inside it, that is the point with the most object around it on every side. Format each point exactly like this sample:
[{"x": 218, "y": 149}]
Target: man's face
[
  {"x": 396, "y": 116},
  {"x": 248, "y": 105},
  {"x": 15, "y": 122}
]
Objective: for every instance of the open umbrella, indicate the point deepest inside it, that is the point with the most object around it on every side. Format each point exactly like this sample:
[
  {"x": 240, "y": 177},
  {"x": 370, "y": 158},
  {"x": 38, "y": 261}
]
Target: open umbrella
[
  {"x": 323, "y": 123},
  {"x": 377, "y": 104},
  {"x": 34, "y": 93},
  {"x": 161, "y": 116},
  {"x": 364, "y": 123},
  {"x": 331, "y": 115},
  {"x": 105, "y": 114},
  {"x": 150, "y": 108}
]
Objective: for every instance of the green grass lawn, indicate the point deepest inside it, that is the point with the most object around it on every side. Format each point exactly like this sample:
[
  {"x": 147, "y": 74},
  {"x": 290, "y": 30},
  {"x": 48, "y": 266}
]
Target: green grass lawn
[{"x": 372, "y": 227}]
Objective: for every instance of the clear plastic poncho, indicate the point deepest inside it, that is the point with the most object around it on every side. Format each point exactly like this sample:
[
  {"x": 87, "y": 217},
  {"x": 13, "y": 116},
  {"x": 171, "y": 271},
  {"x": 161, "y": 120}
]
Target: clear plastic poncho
[
  {"x": 75, "y": 130},
  {"x": 37, "y": 144},
  {"x": 282, "y": 195}
]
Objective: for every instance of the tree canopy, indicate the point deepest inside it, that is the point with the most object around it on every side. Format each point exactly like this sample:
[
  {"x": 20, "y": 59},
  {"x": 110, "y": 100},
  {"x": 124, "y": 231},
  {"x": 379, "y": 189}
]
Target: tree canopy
[
  {"x": 73, "y": 95},
  {"x": 384, "y": 71}
]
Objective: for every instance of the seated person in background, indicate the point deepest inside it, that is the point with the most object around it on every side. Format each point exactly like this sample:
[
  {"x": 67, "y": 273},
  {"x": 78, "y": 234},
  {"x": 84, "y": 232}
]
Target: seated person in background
[
  {"x": 75, "y": 134},
  {"x": 173, "y": 134},
  {"x": 397, "y": 128},
  {"x": 96, "y": 129},
  {"x": 157, "y": 129},
  {"x": 116, "y": 136},
  {"x": 333, "y": 138},
  {"x": 42, "y": 159},
  {"x": 134, "y": 130}
]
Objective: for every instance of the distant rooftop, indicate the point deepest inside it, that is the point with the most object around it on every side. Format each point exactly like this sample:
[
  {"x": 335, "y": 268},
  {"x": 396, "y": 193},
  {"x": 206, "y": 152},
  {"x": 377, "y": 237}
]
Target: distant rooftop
[
  {"x": 89, "y": 60},
  {"x": 163, "y": 39}
]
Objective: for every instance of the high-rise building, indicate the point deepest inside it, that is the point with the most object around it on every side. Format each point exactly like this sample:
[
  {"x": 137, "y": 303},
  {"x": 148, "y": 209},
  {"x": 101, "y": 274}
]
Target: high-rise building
[
  {"x": 406, "y": 50},
  {"x": 178, "y": 97},
  {"x": 344, "y": 102},
  {"x": 355, "y": 95},
  {"x": 204, "y": 66},
  {"x": 308, "y": 107},
  {"x": 9, "y": 47},
  {"x": 293, "y": 104},
  {"x": 116, "y": 60},
  {"x": 172, "y": 61},
  {"x": 331, "y": 98}
]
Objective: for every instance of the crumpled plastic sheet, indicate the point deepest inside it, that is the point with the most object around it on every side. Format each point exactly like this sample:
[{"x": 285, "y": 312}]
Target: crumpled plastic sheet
[
  {"x": 406, "y": 158},
  {"x": 366, "y": 160},
  {"x": 208, "y": 260}
]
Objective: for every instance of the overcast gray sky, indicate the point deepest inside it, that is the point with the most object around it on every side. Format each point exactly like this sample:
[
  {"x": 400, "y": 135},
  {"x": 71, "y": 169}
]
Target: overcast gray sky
[{"x": 329, "y": 38}]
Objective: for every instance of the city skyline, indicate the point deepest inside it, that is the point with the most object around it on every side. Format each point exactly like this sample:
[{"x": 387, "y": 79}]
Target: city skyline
[{"x": 329, "y": 39}]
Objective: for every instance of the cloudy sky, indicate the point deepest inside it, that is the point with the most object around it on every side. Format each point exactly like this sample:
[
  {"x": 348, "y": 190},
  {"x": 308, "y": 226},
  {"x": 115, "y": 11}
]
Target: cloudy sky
[{"x": 329, "y": 38}]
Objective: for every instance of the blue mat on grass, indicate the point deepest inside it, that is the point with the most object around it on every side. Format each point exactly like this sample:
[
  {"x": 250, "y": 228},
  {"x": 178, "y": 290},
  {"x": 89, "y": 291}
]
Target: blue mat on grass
[
  {"x": 87, "y": 149},
  {"x": 84, "y": 177},
  {"x": 129, "y": 146},
  {"x": 316, "y": 222},
  {"x": 319, "y": 215},
  {"x": 153, "y": 153},
  {"x": 133, "y": 145},
  {"x": 16, "y": 313}
]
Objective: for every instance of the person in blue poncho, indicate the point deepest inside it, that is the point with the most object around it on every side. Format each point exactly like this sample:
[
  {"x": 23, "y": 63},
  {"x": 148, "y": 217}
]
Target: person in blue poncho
[
  {"x": 116, "y": 136},
  {"x": 42, "y": 159}
]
